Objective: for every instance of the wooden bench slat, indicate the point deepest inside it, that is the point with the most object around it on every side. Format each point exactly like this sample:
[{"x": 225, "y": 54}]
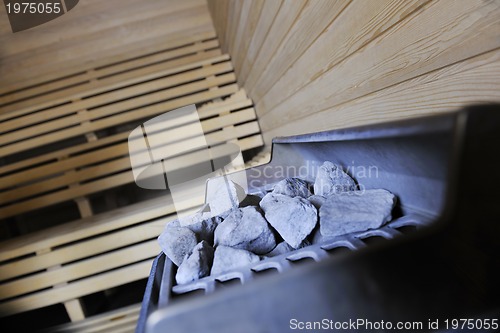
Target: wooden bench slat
[
  {"x": 56, "y": 155},
  {"x": 86, "y": 248},
  {"x": 99, "y": 320},
  {"x": 111, "y": 56},
  {"x": 88, "y": 227},
  {"x": 80, "y": 269},
  {"x": 77, "y": 289},
  {"x": 105, "y": 153},
  {"x": 99, "y": 87},
  {"x": 98, "y": 156},
  {"x": 115, "y": 96},
  {"x": 114, "y": 180},
  {"x": 134, "y": 115}
]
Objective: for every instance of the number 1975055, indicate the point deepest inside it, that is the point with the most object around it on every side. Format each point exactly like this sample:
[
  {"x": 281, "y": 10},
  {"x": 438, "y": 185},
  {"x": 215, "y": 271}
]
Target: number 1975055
[{"x": 33, "y": 8}]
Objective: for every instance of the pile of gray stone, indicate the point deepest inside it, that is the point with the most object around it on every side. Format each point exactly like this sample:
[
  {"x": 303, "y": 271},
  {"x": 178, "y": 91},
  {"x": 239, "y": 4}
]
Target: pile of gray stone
[{"x": 227, "y": 233}]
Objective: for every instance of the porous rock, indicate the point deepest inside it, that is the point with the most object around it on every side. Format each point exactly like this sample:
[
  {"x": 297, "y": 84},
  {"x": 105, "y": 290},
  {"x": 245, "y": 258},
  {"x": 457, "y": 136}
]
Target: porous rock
[
  {"x": 203, "y": 225},
  {"x": 331, "y": 179},
  {"x": 246, "y": 229},
  {"x": 176, "y": 242},
  {"x": 227, "y": 258},
  {"x": 355, "y": 211},
  {"x": 293, "y": 218},
  {"x": 281, "y": 248},
  {"x": 293, "y": 187},
  {"x": 196, "y": 265},
  {"x": 226, "y": 197},
  {"x": 316, "y": 200}
]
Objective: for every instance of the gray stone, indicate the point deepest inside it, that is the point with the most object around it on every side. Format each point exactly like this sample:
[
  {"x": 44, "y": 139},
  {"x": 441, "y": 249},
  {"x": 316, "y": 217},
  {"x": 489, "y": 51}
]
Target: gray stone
[
  {"x": 330, "y": 179},
  {"x": 227, "y": 258},
  {"x": 196, "y": 265},
  {"x": 294, "y": 218},
  {"x": 246, "y": 229},
  {"x": 355, "y": 211},
  {"x": 280, "y": 249},
  {"x": 226, "y": 196},
  {"x": 203, "y": 225},
  {"x": 293, "y": 187},
  {"x": 176, "y": 242},
  {"x": 317, "y": 200}
]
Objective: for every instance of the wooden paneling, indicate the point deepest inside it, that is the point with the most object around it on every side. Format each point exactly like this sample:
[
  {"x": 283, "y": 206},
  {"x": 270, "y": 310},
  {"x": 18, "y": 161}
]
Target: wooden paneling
[{"x": 316, "y": 65}]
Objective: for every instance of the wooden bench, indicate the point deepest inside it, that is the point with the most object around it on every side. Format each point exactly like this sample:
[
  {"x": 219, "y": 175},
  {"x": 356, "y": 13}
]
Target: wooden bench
[{"x": 66, "y": 139}]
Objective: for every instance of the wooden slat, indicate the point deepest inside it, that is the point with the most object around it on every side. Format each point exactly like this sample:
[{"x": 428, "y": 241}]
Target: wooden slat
[
  {"x": 235, "y": 101},
  {"x": 472, "y": 81},
  {"x": 284, "y": 20},
  {"x": 100, "y": 320},
  {"x": 111, "y": 83},
  {"x": 77, "y": 289},
  {"x": 83, "y": 48},
  {"x": 81, "y": 269},
  {"x": 344, "y": 37},
  {"x": 266, "y": 18},
  {"x": 63, "y": 152},
  {"x": 134, "y": 115},
  {"x": 88, "y": 75},
  {"x": 404, "y": 51},
  {"x": 89, "y": 227},
  {"x": 114, "y": 180},
  {"x": 115, "y": 96},
  {"x": 315, "y": 17},
  {"x": 101, "y": 155},
  {"x": 87, "y": 248}
]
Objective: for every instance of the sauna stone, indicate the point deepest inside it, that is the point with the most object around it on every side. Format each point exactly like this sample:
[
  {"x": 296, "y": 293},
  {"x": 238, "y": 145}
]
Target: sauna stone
[
  {"x": 331, "y": 179},
  {"x": 293, "y": 218},
  {"x": 176, "y": 242},
  {"x": 281, "y": 248},
  {"x": 196, "y": 265},
  {"x": 355, "y": 211},
  {"x": 245, "y": 228},
  {"x": 293, "y": 187},
  {"x": 226, "y": 197},
  {"x": 317, "y": 200},
  {"x": 227, "y": 258}
]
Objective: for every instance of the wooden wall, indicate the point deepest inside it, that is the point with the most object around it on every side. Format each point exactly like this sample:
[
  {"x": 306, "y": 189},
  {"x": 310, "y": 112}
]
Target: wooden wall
[{"x": 316, "y": 65}]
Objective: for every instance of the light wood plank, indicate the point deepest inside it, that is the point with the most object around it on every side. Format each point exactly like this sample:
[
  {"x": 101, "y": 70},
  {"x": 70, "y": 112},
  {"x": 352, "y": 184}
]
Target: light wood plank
[
  {"x": 116, "y": 179},
  {"x": 102, "y": 155},
  {"x": 83, "y": 49},
  {"x": 131, "y": 116},
  {"x": 189, "y": 35},
  {"x": 266, "y": 18},
  {"x": 356, "y": 26},
  {"x": 80, "y": 269},
  {"x": 84, "y": 78},
  {"x": 314, "y": 18},
  {"x": 100, "y": 319},
  {"x": 107, "y": 84},
  {"x": 114, "y": 96},
  {"x": 92, "y": 226},
  {"x": 287, "y": 14},
  {"x": 471, "y": 81},
  {"x": 405, "y": 51},
  {"x": 77, "y": 289}
]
